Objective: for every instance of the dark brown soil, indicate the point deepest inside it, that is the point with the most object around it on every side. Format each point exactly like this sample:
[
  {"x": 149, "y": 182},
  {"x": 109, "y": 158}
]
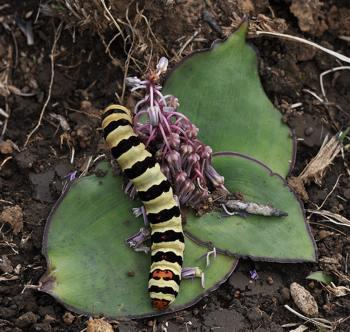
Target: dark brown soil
[{"x": 86, "y": 79}]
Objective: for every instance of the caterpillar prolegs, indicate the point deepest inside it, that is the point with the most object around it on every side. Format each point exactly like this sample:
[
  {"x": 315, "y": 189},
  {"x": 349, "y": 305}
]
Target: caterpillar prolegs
[{"x": 163, "y": 212}]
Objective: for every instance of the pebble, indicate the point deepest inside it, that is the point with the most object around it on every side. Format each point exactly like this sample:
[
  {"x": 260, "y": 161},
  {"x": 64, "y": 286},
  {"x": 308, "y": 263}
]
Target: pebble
[
  {"x": 323, "y": 234},
  {"x": 269, "y": 280},
  {"x": 68, "y": 318},
  {"x": 26, "y": 319},
  {"x": 303, "y": 299},
  {"x": 5, "y": 264}
]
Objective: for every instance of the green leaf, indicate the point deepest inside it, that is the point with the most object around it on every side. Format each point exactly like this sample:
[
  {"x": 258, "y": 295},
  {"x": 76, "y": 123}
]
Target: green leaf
[
  {"x": 321, "y": 277},
  {"x": 220, "y": 91},
  {"x": 285, "y": 239},
  {"x": 89, "y": 264}
]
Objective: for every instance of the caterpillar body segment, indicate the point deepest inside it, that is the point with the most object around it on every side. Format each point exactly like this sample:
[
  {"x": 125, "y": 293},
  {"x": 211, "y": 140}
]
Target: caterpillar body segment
[{"x": 163, "y": 212}]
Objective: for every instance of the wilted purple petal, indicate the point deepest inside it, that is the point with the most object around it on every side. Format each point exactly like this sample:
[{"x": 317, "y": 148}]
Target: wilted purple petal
[
  {"x": 254, "y": 275},
  {"x": 139, "y": 238}
]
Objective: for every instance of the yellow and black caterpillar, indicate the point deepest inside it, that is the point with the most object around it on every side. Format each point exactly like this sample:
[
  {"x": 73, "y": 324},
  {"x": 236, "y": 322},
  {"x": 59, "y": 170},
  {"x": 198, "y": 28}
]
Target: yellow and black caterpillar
[{"x": 163, "y": 212}]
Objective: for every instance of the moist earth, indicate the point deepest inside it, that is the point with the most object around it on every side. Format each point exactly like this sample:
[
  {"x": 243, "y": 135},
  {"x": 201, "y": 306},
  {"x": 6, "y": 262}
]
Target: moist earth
[{"x": 85, "y": 80}]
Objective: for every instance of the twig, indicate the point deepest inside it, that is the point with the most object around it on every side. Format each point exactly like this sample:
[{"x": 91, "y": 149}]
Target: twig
[
  {"x": 189, "y": 41},
  {"x": 330, "y": 193},
  {"x": 328, "y": 72},
  {"x": 304, "y": 41},
  {"x": 52, "y": 58},
  {"x": 113, "y": 20},
  {"x": 5, "y": 161}
]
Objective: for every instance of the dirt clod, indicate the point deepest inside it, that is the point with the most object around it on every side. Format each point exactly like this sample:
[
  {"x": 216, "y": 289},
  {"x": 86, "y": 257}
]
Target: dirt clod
[
  {"x": 68, "y": 318},
  {"x": 26, "y": 319},
  {"x": 5, "y": 264},
  {"x": 303, "y": 299},
  {"x": 6, "y": 147},
  {"x": 99, "y": 325},
  {"x": 13, "y": 216}
]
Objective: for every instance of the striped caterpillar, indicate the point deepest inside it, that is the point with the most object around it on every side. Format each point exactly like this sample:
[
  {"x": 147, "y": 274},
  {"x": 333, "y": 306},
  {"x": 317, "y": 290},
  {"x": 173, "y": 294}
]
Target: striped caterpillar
[{"x": 163, "y": 212}]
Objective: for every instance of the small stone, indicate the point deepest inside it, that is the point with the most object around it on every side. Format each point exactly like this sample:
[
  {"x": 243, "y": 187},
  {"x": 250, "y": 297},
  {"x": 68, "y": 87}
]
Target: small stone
[
  {"x": 68, "y": 318},
  {"x": 323, "y": 234},
  {"x": 150, "y": 323},
  {"x": 49, "y": 319},
  {"x": 237, "y": 294},
  {"x": 303, "y": 299},
  {"x": 98, "y": 325},
  {"x": 26, "y": 319},
  {"x": 308, "y": 131},
  {"x": 6, "y": 147},
  {"x": 269, "y": 280},
  {"x": 5, "y": 264}
]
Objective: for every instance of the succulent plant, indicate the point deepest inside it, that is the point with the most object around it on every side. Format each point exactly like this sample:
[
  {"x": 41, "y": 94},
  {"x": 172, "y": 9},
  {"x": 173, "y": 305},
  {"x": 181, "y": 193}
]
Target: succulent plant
[{"x": 90, "y": 267}]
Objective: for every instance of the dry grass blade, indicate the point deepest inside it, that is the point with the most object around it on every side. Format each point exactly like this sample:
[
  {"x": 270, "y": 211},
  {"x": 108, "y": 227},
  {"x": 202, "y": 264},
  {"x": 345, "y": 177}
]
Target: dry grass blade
[
  {"x": 332, "y": 70},
  {"x": 319, "y": 322},
  {"x": 52, "y": 58},
  {"x": 316, "y": 168},
  {"x": 332, "y": 217},
  {"x": 304, "y": 41}
]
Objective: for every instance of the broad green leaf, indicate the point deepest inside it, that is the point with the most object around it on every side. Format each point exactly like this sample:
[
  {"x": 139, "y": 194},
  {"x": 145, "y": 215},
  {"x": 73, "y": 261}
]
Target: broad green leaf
[
  {"x": 285, "y": 239},
  {"x": 90, "y": 268},
  {"x": 321, "y": 277},
  {"x": 220, "y": 91}
]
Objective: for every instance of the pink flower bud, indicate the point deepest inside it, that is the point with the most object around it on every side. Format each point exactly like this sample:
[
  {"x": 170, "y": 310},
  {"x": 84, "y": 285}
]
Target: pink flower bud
[
  {"x": 174, "y": 161},
  {"x": 192, "y": 131},
  {"x": 192, "y": 159},
  {"x": 186, "y": 149},
  {"x": 186, "y": 192},
  {"x": 173, "y": 102},
  {"x": 180, "y": 178},
  {"x": 166, "y": 171},
  {"x": 206, "y": 152},
  {"x": 174, "y": 140}
]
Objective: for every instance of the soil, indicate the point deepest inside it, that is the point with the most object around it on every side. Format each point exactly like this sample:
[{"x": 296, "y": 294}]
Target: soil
[{"x": 86, "y": 79}]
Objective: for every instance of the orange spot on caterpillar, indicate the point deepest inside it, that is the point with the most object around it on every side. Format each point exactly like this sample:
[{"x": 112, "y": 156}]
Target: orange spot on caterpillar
[
  {"x": 162, "y": 274},
  {"x": 160, "y": 304}
]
